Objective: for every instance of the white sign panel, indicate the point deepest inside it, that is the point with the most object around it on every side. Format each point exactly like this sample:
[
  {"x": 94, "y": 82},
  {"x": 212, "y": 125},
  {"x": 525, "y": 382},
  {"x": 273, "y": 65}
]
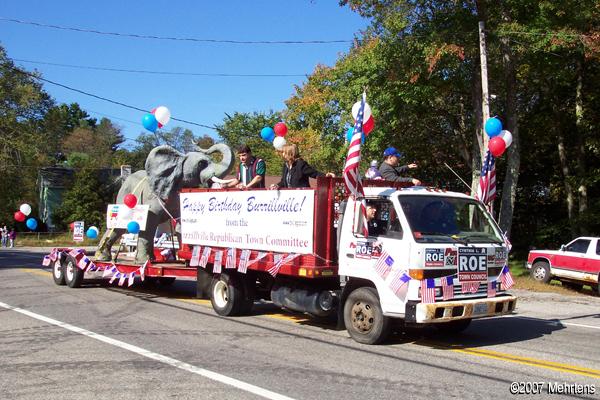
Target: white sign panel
[
  {"x": 119, "y": 215},
  {"x": 78, "y": 230},
  {"x": 278, "y": 221}
]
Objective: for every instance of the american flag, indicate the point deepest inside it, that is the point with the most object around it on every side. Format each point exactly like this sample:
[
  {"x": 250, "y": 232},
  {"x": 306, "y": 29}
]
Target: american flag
[
  {"x": 230, "y": 261},
  {"x": 428, "y": 291},
  {"x": 492, "y": 289},
  {"x": 470, "y": 287},
  {"x": 351, "y": 175},
  {"x": 46, "y": 261},
  {"x": 260, "y": 256},
  {"x": 447, "y": 288},
  {"x": 486, "y": 192},
  {"x": 205, "y": 257},
  {"x": 83, "y": 262},
  {"x": 506, "y": 278},
  {"x": 142, "y": 270},
  {"x": 218, "y": 261},
  {"x": 399, "y": 281},
  {"x": 115, "y": 276},
  {"x": 384, "y": 265},
  {"x": 278, "y": 259},
  {"x": 244, "y": 257},
  {"x": 195, "y": 260},
  {"x": 122, "y": 279}
]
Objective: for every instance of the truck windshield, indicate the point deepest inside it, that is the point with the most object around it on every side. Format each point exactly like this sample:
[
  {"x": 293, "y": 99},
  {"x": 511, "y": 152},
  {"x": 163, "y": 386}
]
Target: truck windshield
[{"x": 449, "y": 219}]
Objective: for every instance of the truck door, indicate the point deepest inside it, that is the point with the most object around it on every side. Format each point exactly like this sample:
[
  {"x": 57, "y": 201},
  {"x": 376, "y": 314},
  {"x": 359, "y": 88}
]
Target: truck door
[{"x": 572, "y": 258}]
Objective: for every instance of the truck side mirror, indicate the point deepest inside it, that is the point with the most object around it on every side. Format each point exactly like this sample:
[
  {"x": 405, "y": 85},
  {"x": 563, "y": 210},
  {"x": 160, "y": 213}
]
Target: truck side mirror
[{"x": 562, "y": 247}]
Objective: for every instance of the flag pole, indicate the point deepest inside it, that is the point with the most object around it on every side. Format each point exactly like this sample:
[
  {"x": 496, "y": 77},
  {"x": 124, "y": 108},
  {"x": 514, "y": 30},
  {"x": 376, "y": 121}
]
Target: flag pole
[{"x": 458, "y": 176}]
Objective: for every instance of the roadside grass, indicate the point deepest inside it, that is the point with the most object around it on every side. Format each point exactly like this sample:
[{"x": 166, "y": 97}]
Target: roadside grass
[
  {"x": 51, "y": 239},
  {"x": 524, "y": 281}
]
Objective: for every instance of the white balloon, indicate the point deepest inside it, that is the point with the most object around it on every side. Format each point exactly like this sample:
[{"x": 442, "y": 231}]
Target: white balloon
[
  {"x": 279, "y": 142},
  {"x": 25, "y": 209},
  {"x": 162, "y": 115},
  {"x": 507, "y": 137},
  {"x": 356, "y": 107}
]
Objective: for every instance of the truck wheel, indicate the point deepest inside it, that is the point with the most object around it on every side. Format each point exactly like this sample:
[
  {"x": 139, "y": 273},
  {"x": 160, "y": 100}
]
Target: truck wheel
[
  {"x": 166, "y": 280},
  {"x": 58, "y": 273},
  {"x": 453, "y": 327},
  {"x": 226, "y": 295},
  {"x": 73, "y": 274},
  {"x": 364, "y": 318},
  {"x": 540, "y": 271}
]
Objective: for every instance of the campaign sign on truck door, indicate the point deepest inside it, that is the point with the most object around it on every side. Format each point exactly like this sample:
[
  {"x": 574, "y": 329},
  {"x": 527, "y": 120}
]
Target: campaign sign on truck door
[
  {"x": 119, "y": 215},
  {"x": 278, "y": 221}
]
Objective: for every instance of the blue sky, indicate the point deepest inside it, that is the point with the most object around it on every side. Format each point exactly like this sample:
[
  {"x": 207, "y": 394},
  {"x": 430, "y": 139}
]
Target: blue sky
[{"x": 200, "y": 99}]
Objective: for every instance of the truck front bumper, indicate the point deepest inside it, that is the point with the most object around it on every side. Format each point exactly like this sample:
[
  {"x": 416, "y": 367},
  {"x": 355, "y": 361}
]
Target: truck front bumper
[{"x": 444, "y": 311}]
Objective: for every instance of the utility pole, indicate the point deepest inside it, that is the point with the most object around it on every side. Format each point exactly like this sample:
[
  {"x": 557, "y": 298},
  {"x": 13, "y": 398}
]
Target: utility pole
[{"x": 485, "y": 97}]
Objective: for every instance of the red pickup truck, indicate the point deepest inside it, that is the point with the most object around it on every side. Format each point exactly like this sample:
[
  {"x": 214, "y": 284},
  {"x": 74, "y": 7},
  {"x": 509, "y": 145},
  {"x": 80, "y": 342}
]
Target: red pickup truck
[{"x": 575, "y": 264}]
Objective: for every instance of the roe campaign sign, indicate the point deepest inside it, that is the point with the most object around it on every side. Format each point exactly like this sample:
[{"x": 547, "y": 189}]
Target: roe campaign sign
[{"x": 274, "y": 220}]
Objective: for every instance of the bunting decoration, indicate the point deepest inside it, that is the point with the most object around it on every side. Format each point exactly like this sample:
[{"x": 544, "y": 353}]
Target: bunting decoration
[
  {"x": 274, "y": 270},
  {"x": 46, "y": 262},
  {"x": 130, "y": 279},
  {"x": 195, "y": 260},
  {"x": 230, "y": 260},
  {"x": 205, "y": 257},
  {"x": 470, "y": 287},
  {"x": 260, "y": 256},
  {"x": 217, "y": 262},
  {"x": 244, "y": 257}
]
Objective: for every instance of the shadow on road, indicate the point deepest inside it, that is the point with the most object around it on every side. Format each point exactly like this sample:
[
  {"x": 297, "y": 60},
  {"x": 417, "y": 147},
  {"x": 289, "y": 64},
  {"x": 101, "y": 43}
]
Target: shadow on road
[{"x": 10, "y": 258}]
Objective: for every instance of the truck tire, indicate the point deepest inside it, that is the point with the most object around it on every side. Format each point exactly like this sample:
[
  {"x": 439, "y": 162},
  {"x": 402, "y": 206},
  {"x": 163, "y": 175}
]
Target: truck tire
[
  {"x": 58, "y": 272},
  {"x": 453, "y": 327},
  {"x": 226, "y": 294},
  {"x": 540, "y": 271},
  {"x": 363, "y": 317},
  {"x": 72, "y": 273}
]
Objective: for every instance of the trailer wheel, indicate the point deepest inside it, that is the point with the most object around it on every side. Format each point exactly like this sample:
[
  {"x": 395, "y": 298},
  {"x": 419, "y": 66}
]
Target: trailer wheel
[
  {"x": 73, "y": 274},
  {"x": 364, "y": 318},
  {"x": 226, "y": 294},
  {"x": 540, "y": 271},
  {"x": 58, "y": 273}
]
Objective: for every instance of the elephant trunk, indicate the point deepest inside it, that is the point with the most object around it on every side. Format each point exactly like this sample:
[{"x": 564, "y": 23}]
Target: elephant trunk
[{"x": 218, "y": 169}]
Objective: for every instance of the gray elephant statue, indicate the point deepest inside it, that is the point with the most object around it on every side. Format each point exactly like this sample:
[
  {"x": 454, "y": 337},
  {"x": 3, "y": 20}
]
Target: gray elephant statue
[{"x": 167, "y": 172}]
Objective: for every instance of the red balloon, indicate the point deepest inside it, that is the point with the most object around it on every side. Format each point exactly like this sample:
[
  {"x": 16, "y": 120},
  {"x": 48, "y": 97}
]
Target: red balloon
[
  {"x": 72, "y": 226},
  {"x": 130, "y": 200},
  {"x": 497, "y": 146},
  {"x": 368, "y": 126},
  {"x": 280, "y": 129},
  {"x": 19, "y": 216}
]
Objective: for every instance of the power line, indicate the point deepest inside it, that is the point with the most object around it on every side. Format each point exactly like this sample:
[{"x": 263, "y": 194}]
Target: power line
[
  {"x": 184, "y": 39},
  {"x": 105, "y": 99},
  {"x": 138, "y": 71}
]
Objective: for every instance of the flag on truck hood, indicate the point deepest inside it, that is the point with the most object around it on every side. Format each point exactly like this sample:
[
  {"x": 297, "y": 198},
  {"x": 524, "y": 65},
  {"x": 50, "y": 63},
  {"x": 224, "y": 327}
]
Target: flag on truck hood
[
  {"x": 447, "y": 287},
  {"x": 506, "y": 278},
  {"x": 428, "y": 291},
  {"x": 400, "y": 279}
]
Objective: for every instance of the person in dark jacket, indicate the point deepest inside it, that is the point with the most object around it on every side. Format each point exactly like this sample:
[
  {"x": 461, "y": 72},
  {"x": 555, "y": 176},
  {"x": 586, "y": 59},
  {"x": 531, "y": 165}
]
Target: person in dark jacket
[
  {"x": 296, "y": 171},
  {"x": 391, "y": 171}
]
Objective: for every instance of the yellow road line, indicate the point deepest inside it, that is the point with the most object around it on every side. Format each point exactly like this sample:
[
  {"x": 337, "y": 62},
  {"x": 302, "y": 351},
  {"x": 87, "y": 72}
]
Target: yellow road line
[
  {"x": 534, "y": 362},
  {"x": 37, "y": 271}
]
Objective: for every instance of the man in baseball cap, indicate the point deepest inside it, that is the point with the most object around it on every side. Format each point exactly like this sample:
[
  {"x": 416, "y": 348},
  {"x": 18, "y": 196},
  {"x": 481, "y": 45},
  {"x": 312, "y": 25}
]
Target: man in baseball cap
[{"x": 390, "y": 169}]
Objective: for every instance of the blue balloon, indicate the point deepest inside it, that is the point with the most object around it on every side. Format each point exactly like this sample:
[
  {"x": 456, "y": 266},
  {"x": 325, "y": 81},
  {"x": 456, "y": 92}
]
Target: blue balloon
[
  {"x": 267, "y": 133},
  {"x": 133, "y": 227},
  {"x": 31, "y": 224},
  {"x": 493, "y": 127},
  {"x": 350, "y": 133},
  {"x": 92, "y": 232},
  {"x": 149, "y": 121}
]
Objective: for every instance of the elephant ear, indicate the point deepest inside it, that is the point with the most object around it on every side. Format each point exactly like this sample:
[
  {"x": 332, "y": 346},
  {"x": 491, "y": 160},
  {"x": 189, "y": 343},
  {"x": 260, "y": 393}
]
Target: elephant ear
[{"x": 164, "y": 167}]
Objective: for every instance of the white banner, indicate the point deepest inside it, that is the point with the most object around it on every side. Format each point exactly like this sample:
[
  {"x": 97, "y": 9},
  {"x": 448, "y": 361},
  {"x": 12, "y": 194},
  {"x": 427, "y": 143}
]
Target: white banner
[
  {"x": 119, "y": 215},
  {"x": 272, "y": 220},
  {"x": 78, "y": 231}
]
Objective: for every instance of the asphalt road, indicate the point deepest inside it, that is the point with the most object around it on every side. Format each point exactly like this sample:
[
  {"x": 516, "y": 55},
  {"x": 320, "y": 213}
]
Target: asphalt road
[{"x": 105, "y": 342}]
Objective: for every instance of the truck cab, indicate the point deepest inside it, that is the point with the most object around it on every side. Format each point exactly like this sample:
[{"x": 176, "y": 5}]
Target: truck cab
[{"x": 435, "y": 257}]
